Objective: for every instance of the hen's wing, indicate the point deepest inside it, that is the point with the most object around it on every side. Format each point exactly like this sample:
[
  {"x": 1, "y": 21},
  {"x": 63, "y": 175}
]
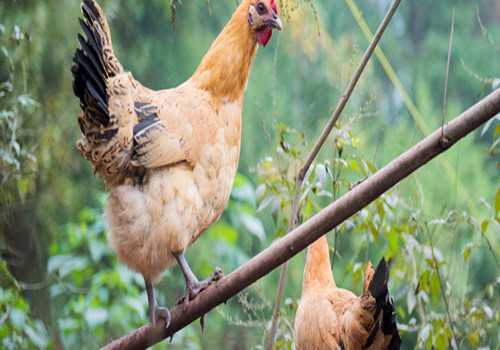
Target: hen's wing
[{"x": 154, "y": 144}]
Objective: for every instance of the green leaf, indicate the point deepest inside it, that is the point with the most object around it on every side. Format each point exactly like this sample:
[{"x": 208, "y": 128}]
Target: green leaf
[
  {"x": 488, "y": 312},
  {"x": 371, "y": 167},
  {"x": 380, "y": 209},
  {"x": 467, "y": 251},
  {"x": 496, "y": 133},
  {"x": 393, "y": 238},
  {"x": 373, "y": 229},
  {"x": 435, "y": 286},
  {"x": 6, "y": 278},
  {"x": 442, "y": 341},
  {"x": 26, "y": 101},
  {"x": 37, "y": 335},
  {"x": 56, "y": 261},
  {"x": 96, "y": 316},
  {"x": 17, "y": 318},
  {"x": 98, "y": 249},
  {"x": 125, "y": 275},
  {"x": 484, "y": 225},
  {"x": 424, "y": 281},
  {"x": 425, "y": 332},
  {"x": 353, "y": 164},
  {"x": 411, "y": 301},
  {"x": 68, "y": 324},
  {"x": 65, "y": 264},
  {"x": 473, "y": 338},
  {"x": 322, "y": 174},
  {"x": 23, "y": 186},
  {"x": 243, "y": 190},
  {"x": 271, "y": 201},
  {"x": 225, "y": 232},
  {"x": 253, "y": 225},
  {"x": 137, "y": 305}
]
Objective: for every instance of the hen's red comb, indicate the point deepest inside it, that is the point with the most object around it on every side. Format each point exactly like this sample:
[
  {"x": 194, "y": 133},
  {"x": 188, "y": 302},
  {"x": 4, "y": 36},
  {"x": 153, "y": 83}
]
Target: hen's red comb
[{"x": 273, "y": 6}]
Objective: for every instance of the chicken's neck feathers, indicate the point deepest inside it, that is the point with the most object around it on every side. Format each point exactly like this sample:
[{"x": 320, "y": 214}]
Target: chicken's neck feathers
[
  {"x": 224, "y": 70},
  {"x": 318, "y": 271}
]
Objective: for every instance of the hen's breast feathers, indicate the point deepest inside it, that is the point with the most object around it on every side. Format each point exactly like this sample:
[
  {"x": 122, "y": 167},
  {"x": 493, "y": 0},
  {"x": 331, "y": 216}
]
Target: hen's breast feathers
[{"x": 178, "y": 202}]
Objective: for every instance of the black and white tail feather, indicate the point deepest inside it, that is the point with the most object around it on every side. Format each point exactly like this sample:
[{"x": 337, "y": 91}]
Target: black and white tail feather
[
  {"x": 94, "y": 64},
  {"x": 383, "y": 303}
]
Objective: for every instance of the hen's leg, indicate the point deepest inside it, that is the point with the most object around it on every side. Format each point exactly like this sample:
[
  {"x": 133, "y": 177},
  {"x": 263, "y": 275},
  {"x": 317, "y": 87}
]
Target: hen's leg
[
  {"x": 193, "y": 286},
  {"x": 156, "y": 312}
]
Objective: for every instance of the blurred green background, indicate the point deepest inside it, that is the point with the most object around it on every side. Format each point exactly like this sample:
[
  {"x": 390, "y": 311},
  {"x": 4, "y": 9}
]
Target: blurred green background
[{"x": 61, "y": 285}]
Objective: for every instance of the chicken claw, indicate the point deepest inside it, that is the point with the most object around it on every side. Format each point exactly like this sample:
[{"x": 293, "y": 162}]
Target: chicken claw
[
  {"x": 161, "y": 314},
  {"x": 195, "y": 287},
  {"x": 198, "y": 287}
]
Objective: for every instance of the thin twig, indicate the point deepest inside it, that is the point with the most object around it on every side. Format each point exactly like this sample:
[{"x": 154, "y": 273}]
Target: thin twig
[
  {"x": 295, "y": 214},
  {"x": 326, "y": 220},
  {"x": 173, "y": 12},
  {"x": 335, "y": 190},
  {"x": 448, "y": 63}
]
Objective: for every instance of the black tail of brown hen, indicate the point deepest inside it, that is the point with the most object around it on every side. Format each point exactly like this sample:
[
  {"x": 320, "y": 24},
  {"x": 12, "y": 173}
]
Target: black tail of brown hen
[
  {"x": 94, "y": 67},
  {"x": 385, "y": 311},
  {"x": 94, "y": 63}
]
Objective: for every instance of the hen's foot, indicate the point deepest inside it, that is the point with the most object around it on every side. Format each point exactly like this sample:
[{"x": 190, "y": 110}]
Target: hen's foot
[
  {"x": 198, "y": 287},
  {"x": 160, "y": 314},
  {"x": 156, "y": 313},
  {"x": 194, "y": 288}
]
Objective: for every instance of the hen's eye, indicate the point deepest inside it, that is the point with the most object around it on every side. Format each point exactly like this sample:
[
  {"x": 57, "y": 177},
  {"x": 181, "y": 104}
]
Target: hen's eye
[{"x": 261, "y": 8}]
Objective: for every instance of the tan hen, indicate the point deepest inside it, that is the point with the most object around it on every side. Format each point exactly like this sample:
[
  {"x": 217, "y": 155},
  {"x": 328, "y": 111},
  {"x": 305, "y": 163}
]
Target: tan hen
[
  {"x": 167, "y": 157},
  {"x": 329, "y": 317}
]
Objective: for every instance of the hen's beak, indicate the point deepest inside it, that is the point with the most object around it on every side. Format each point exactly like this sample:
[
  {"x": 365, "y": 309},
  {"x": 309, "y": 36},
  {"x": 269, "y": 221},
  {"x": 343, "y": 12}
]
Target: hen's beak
[{"x": 274, "y": 21}]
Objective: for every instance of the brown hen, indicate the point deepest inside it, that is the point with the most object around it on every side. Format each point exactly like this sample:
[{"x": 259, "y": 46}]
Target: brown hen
[
  {"x": 167, "y": 157},
  {"x": 329, "y": 317}
]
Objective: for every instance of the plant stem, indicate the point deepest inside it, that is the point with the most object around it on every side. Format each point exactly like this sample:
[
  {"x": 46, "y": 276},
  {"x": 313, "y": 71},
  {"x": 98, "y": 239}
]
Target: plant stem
[{"x": 448, "y": 63}]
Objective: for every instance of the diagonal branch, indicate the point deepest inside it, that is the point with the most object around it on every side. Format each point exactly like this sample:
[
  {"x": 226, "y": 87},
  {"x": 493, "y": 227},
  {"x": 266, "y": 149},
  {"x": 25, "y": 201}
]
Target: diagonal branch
[{"x": 327, "y": 219}]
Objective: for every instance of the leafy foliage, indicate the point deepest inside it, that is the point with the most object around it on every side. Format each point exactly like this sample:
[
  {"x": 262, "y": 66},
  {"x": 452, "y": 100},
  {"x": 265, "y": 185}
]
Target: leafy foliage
[
  {"x": 441, "y": 233},
  {"x": 16, "y": 157},
  {"x": 17, "y": 328}
]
